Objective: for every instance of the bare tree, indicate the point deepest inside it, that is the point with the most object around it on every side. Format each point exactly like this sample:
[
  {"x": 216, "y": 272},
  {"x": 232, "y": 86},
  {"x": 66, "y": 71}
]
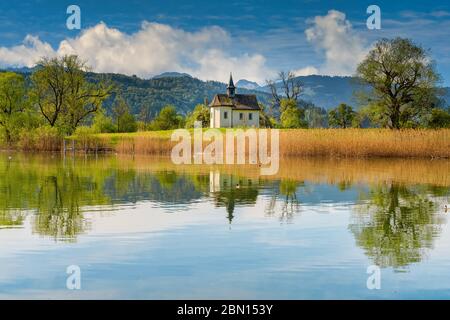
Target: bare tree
[{"x": 290, "y": 86}]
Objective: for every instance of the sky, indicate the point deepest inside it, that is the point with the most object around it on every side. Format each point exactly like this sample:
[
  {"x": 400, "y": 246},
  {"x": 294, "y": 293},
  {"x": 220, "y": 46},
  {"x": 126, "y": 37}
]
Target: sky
[{"x": 208, "y": 39}]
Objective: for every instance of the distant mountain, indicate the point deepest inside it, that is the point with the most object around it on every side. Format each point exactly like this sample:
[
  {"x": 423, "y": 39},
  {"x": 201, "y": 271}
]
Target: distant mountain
[
  {"x": 326, "y": 91},
  {"x": 24, "y": 70},
  {"x": 172, "y": 75},
  {"x": 447, "y": 96},
  {"x": 245, "y": 84},
  {"x": 178, "y": 89},
  {"x": 184, "y": 92}
]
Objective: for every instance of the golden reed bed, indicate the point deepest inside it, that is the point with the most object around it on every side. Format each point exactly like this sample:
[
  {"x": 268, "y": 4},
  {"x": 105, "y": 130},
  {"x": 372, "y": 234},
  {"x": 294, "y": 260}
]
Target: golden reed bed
[
  {"x": 360, "y": 143},
  {"x": 354, "y": 143}
]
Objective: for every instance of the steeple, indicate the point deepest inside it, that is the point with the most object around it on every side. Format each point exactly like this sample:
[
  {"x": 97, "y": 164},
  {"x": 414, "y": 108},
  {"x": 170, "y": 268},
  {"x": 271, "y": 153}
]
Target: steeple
[{"x": 230, "y": 87}]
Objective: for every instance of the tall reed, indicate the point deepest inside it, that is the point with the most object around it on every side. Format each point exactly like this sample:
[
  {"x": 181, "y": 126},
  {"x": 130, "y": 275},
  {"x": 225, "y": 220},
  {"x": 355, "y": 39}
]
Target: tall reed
[{"x": 359, "y": 143}]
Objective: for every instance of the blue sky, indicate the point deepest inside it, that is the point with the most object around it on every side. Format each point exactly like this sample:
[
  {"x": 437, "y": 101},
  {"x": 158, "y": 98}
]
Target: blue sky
[{"x": 254, "y": 39}]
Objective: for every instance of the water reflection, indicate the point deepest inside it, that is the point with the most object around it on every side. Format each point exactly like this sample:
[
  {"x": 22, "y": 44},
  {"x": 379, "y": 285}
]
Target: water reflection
[
  {"x": 286, "y": 192},
  {"x": 58, "y": 212},
  {"x": 395, "y": 222},
  {"x": 228, "y": 190},
  {"x": 398, "y": 223}
]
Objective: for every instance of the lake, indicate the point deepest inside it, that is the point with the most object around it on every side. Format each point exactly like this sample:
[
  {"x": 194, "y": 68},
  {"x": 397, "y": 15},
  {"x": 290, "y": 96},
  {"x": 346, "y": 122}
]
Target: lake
[{"x": 144, "y": 228}]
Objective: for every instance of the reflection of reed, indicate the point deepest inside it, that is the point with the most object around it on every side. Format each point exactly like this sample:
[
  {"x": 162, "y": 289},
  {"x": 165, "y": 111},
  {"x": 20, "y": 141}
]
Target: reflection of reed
[
  {"x": 333, "y": 171},
  {"x": 326, "y": 170},
  {"x": 57, "y": 189}
]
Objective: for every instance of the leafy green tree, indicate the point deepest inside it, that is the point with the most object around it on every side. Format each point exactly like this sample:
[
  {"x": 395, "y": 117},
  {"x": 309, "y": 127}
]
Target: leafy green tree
[
  {"x": 201, "y": 113},
  {"x": 167, "y": 119},
  {"x": 12, "y": 103},
  {"x": 102, "y": 123},
  {"x": 128, "y": 123},
  {"x": 403, "y": 82},
  {"x": 440, "y": 118},
  {"x": 125, "y": 121},
  {"x": 63, "y": 95},
  {"x": 291, "y": 115},
  {"x": 341, "y": 116}
]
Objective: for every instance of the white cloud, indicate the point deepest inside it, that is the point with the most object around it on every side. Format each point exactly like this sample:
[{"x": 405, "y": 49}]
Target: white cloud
[
  {"x": 154, "y": 48},
  {"x": 333, "y": 35},
  {"x": 307, "y": 71},
  {"x": 26, "y": 54},
  {"x": 440, "y": 13}
]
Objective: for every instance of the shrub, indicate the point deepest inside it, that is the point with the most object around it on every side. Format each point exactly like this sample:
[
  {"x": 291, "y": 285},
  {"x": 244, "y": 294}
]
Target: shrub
[
  {"x": 43, "y": 138},
  {"x": 103, "y": 124},
  {"x": 86, "y": 138}
]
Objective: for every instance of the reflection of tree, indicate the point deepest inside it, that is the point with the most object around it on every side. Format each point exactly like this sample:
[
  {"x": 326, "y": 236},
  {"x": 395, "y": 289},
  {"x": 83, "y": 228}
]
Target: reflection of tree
[
  {"x": 167, "y": 187},
  {"x": 58, "y": 211},
  {"x": 10, "y": 213},
  {"x": 56, "y": 191},
  {"x": 10, "y": 218},
  {"x": 397, "y": 225},
  {"x": 287, "y": 192},
  {"x": 288, "y": 188},
  {"x": 167, "y": 179}
]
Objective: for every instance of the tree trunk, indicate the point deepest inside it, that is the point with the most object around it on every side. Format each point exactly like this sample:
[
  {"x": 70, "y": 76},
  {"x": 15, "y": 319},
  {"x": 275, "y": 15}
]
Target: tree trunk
[
  {"x": 395, "y": 117},
  {"x": 8, "y": 137}
]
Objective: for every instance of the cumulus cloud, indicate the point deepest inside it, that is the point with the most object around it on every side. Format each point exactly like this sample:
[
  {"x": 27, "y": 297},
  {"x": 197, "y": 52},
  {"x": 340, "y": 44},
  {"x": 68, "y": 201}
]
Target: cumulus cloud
[
  {"x": 307, "y": 71},
  {"x": 334, "y": 36},
  {"x": 154, "y": 48},
  {"x": 26, "y": 54}
]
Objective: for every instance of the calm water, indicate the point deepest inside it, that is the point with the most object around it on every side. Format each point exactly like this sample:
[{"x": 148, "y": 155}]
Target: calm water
[{"x": 143, "y": 228}]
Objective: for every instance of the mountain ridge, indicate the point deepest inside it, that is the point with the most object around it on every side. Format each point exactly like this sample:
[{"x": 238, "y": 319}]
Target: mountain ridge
[{"x": 185, "y": 92}]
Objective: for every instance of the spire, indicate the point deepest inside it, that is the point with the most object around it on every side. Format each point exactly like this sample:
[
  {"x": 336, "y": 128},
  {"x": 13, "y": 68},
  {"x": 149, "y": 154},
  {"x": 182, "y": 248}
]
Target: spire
[{"x": 230, "y": 87}]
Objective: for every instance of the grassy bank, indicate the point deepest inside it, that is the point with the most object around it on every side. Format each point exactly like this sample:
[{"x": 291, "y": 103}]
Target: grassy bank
[{"x": 359, "y": 143}]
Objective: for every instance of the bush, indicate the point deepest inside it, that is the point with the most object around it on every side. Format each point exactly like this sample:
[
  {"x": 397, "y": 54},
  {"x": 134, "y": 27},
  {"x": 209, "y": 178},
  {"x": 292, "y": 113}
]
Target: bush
[
  {"x": 167, "y": 119},
  {"x": 201, "y": 113},
  {"x": 127, "y": 123},
  {"x": 141, "y": 126},
  {"x": 43, "y": 138},
  {"x": 103, "y": 124},
  {"x": 86, "y": 138},
  {"x": 439, "y": 119},
  {"x": 291, "y": 115}
]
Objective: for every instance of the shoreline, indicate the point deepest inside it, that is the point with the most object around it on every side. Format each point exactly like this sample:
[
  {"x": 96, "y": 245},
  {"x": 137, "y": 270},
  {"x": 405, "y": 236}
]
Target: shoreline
[{"x": 321, "y": 143}]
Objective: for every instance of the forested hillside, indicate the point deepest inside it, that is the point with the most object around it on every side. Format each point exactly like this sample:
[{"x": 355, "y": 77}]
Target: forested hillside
[{"x": 184, "y": 92}]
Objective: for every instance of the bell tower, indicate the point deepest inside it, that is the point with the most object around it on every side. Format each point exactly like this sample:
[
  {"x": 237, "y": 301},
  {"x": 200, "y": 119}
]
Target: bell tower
[{"x": 231, "y": 89}]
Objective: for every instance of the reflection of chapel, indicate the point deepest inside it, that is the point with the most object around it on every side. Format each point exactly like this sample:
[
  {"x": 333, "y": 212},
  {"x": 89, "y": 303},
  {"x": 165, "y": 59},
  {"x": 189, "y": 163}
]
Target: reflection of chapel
[{"x": 228, "y": 190}]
